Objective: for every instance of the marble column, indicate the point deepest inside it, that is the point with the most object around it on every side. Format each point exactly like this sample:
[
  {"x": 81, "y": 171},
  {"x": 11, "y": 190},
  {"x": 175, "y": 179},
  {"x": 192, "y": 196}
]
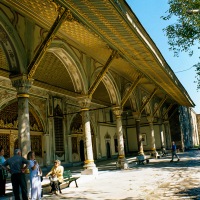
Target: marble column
[
  {"x": 22, "y": 85},
  {"x": 167, "y": 134},
  {"x": 152, "y": 138},
  {"x": 50, "y": 147},
  {"x": 47, "y": 150},
  {"x": 89, "y": 165},
  {"x": 136, "y": 116},
  {"x": 122, "y": 163},
  {"x": 70, "y": 147},
  {"x": 162, "y": 135}
]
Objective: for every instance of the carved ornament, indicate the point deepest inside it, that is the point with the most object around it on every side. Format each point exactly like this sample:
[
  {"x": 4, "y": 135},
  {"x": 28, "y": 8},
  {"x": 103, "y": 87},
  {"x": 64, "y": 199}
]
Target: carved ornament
[
  {"x": 117, "y": 111},
  {"x": 84, "y": 102}
]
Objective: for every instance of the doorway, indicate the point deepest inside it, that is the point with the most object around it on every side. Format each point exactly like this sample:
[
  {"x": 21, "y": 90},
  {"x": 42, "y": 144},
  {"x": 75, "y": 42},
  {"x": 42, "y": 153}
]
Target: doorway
[
  {"x": 82, "y": 154},
  {"x": 108, "y": 150}
]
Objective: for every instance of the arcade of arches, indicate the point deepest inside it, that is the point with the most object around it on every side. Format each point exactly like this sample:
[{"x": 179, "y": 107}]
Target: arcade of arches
[{"x": 81, "y": 82}]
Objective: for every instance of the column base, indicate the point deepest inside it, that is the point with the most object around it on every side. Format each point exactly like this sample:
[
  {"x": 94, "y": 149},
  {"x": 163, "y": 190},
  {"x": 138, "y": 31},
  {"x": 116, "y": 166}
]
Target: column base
[
  {"x": 90, "y": 169},
  {"x": 122, "y": 163},
  {"x": 154, "y": 154},
  {"x": 93, "y": 171},
  {"x": 141, "y": 153}
]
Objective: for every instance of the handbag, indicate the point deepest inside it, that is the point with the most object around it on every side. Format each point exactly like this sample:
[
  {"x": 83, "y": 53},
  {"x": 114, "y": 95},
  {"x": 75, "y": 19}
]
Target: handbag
[
  {"x": 53, "y": 178},
  {"x": 39, "y": 172}
]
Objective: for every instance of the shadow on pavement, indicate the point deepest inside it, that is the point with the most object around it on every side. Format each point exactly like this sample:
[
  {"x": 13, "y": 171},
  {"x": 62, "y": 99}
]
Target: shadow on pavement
[{"x": 193, "y": 193}]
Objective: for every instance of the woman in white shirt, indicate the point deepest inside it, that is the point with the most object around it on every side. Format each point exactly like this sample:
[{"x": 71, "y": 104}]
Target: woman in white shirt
[{"x": 35, "y": 177}]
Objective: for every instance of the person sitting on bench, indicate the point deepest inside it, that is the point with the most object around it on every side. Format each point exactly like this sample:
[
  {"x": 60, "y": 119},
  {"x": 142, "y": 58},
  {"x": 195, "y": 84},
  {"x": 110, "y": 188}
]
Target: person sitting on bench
[
  {"x": 164, "y": 152},
  {"x": 56, "y": 177}
]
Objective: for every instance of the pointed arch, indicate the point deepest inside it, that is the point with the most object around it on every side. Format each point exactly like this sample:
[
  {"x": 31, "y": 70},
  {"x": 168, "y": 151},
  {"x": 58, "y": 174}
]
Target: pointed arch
[
  {"x": 72, "y": 64},
  {"x": 37, "y": 116},
  {"x": 110, "y": 86}
]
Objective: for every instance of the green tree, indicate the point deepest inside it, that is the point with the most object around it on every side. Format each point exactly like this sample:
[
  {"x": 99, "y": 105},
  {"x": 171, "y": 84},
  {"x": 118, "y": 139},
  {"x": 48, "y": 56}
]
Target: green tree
[{"x": 185, "y": 32}]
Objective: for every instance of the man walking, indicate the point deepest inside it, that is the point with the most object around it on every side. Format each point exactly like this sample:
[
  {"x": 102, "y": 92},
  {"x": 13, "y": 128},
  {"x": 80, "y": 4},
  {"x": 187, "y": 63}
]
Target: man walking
[
  {"x": 17, "y": 170},
  {"x": 174, "y": 152}
]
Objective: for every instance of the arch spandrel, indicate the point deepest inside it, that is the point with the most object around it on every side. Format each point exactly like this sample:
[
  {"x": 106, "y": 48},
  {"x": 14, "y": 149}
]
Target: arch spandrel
[
  {"x": 147, "y": 107},
  {"x": 9, "y": 118},
  {"x": 12, "y": 46},
  {"x": 157, "y": 114},
  {"x": 132, "y": 100}
]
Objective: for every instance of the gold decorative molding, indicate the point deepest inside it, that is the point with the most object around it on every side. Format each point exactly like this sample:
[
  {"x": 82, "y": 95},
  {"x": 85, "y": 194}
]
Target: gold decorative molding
[
  {"x": 88, "y": 161},
  {"x": 148, "y": 100},
  {"x": 129, "y": 92},
  {"x": 159, "y": 106},
  {"x": 46, "y": 42},
  {"x": 102, "y": 73},
  {"x": 23, "y": 95}
]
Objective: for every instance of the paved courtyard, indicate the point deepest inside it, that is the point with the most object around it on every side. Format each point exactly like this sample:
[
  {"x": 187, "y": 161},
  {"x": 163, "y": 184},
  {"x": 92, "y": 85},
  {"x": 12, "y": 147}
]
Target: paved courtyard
[{"x": 160, "y": 179}]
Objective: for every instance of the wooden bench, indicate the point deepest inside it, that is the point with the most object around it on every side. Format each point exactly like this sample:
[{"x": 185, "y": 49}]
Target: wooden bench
[{"x": 68, "y": 178}]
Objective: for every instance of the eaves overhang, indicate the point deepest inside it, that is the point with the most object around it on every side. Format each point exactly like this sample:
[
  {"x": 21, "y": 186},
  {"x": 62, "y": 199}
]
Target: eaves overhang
[
  {"x": 116, "y": 24},
  {"x": 103, "y": 25}
]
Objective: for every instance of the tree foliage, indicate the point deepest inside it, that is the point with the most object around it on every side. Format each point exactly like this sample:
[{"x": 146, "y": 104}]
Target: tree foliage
[{"x": 185, "y": 32}]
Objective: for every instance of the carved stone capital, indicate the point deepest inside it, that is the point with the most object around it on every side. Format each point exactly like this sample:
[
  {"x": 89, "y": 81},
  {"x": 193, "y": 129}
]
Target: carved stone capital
[
  {"x": 84, "y": 102},
  {"x": 160, "y": 121},
  {"x": 117, "y": 110},
  {"x": 166, "y": 122},
  {"x": 22, "y": 84},
  {"x": 150, "y": 119},
  {"x": 136, "y": 115}
]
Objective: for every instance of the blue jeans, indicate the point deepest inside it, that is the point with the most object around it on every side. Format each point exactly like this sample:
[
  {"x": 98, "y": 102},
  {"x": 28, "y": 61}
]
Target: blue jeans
[{"x": 174, "y": 154}]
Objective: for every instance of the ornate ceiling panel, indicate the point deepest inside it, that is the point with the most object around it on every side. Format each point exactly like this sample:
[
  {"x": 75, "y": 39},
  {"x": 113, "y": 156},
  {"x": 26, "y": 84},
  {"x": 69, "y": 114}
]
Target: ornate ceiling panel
[
  {"x": 97, "y": 27},
  {"x": 51, "y": 71}
]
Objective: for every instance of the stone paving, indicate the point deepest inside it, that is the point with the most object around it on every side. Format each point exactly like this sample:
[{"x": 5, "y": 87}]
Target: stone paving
[{"x": 158, "y": 180}]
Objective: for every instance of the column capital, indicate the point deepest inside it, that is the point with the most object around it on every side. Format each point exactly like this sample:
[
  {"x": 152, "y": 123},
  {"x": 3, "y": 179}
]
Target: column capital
[
  {"x": 136, "y": 115},
  {"x": 166, "y": 122},
  {"x": 84, "y": 102},
  {"x": 22, "y": 85},
  {"x": 150, "y": 118},
  {"x": 160, "y": 120},
  {"x": 117, "y": 110}
]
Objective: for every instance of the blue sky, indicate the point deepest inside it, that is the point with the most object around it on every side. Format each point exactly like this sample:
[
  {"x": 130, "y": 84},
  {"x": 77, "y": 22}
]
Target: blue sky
[{"x": 149, "y": 13}]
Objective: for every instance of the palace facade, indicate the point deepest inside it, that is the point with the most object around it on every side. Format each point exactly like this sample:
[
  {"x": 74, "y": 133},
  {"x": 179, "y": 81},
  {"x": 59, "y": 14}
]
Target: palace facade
[{"x": 82, "y": 80}]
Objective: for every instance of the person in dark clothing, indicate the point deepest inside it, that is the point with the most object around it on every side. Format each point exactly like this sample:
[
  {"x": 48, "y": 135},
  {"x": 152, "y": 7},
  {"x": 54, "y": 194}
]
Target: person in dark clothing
[
  {"x": 174, "y": 152},
  {"x": 3, "y": 174},
  {"x": 18, "y": 165}
]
